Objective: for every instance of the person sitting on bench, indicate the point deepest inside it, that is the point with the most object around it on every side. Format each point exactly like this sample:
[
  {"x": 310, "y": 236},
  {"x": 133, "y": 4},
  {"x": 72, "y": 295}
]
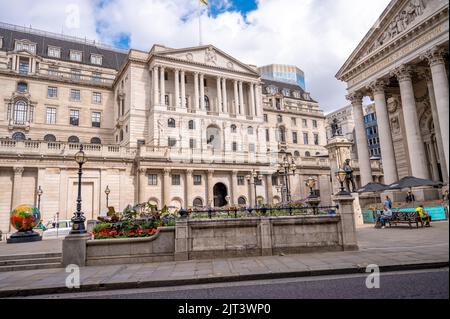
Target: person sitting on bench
[
  {"x": 423, "y": 216},
  {"x": 385, "y": 215}
]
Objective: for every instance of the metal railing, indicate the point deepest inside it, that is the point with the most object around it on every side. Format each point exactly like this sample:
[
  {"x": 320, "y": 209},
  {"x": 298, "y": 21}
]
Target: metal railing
[{"x": 240, "y": 212}]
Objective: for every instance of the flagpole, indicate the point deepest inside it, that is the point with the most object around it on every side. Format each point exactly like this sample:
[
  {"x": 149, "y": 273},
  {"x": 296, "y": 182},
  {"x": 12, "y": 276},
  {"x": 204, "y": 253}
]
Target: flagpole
[{"x": 200, "y": 23}]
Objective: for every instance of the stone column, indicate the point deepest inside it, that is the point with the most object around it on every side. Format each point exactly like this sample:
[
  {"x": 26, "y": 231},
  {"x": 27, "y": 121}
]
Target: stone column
[
  {"x": 196, "y": 92},
  {"x": 142, "y": 184},
  {"x": 361, "y": 140},
  {"x": 17, "y": 189},
  {"x": 189, "y": 183},
  {"x": 437, "y": 127},
  {"x": 224, "y": 95},
  {"x": 441, "y": 92},
  {"x": 166, "y": 187},
  {"x": 234, "y": 188},
  {"x": 252, "y": 100},
  {"x": 155, "y": 85},
  {"x": 269, "y": 189},
  {"x": 257, "y": 100},
  {"x": 202, "y": 91},
  {"x": 347, "y": 226},
  {"x": 163, "y": 86},
  {"x": 384, "y": 130},
  {"x": 433, "y": 161},
  {"x": 183, "y": 89},
  {"x": 241, "y": 97},
  {"x": 416, "y": 148},
  {"x": 236, "y": 98},
  {"x": 177, "y": 88},
  {"x": 210, "y": 186},
  {"x": 219, "y": 95}
]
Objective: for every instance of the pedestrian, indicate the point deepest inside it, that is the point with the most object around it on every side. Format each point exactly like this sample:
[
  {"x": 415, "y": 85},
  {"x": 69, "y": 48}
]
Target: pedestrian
[
  {"x": 385, "y": 216},
  {"x": 388, "y": 202},
  {"x": 410, "y": 198}
]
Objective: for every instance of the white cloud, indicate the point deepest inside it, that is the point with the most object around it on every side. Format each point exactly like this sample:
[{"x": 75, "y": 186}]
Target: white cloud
[{"x": 315, "y": 35}]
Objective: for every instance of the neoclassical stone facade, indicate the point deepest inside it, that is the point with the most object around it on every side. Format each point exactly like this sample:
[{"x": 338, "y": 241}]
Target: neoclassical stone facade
[
  {"x": 402, "y": 63},
  {"x": 176, "y": 127}
]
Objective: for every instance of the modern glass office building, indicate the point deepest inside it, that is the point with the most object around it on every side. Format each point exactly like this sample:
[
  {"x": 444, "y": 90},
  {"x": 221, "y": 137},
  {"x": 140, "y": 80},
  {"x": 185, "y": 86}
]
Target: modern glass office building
[{"x": 283, "y": 73}]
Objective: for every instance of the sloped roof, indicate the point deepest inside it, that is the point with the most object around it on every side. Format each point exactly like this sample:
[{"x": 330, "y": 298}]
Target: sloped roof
[{"x": 290, "y": 86}]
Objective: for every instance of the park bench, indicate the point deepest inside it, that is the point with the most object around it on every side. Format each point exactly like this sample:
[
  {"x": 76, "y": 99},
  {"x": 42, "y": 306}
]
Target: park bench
[{"x": 409, "y": 218}]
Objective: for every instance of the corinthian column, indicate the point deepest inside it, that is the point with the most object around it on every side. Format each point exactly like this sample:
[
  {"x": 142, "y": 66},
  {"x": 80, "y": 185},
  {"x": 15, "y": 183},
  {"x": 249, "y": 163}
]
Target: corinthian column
[
  {"x": 142, "y": 184},
  {"x": 384, "y": 130},
  {"x": 177, "y": 88},
  {"x": 183, "y": 89},
  {"x": 202, "y": 91},
  {"x": 219, "y": 96},
  {"x": 236, "y": 97},
  {"x": 416, "y": 148},
  {"x": 224, "y": 95},
  {"x": 252, "y": 100},
  {"x": 196, "y": 92},
  {"x": 163, "y": 86},
  {"x": 210, "y": 189},
  {"x": 155, "y": 85},
  {"x": 189, "y": 183},
  {"x": 441, "y": 92},
  {"x": 166, "y": 187},
  {"x": 365, "y": 168},
  {"x": 241, "y": 97}
]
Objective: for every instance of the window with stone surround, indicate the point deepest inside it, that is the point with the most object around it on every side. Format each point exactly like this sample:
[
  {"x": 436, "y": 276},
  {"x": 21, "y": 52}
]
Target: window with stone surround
[
  {"x": 191, "y": 125},
  {"x": 74, "y": 117},
  {"x": 96, "y": 59},
  {"x": 234, "y": 146},
  {"x": 152, "y": 180},
  {"x": 198, "y": 202},
  {"x": 76, "y": 55},
  {"x": 22, "y": 87},
  {"x": 241, "y": 180},
  {"x": 96, "y": 119},
  {"x": 25, "y": 45},
  {"x": 171, "y": 142},
  {"x": 51, "y": 115},
  {"x": 192, "y": 143},
  {"x": 305, "y": 138},
  {"x": 197, "y": 180},
  {"x": 316, "y": 139},
  {"x": 20, "y": 114},
  {"x": 96, "y": 98},
  {"x": 176, "y": 180},
  {"x": 294, "y": 137},
  {"x": 75, "y": 95},
  {"x": 251, "y": 148},
  {"x": 54, "y": 52},
  {"x": 314, "y": 123},
  {"x": 171, "y": 123},
  {"x": 52, "y": 92}
]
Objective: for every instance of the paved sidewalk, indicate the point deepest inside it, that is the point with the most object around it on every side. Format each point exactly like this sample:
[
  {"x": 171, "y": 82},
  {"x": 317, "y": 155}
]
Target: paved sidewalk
[{"x": 391, "y": 249}]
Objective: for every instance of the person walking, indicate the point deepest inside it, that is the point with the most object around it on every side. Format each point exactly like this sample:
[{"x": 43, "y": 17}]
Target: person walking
[
  {"x": 410, "y": 198},
  {"x": 388, "y": 202}
]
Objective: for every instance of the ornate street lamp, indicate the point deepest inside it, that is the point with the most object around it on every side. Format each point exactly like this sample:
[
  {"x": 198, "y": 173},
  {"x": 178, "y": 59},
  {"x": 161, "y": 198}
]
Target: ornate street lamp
[
  {"x": 285, "y": 169},
  {"x": 312, "y": 199},
  {"x": 341, "y": 176},
  {"x": 254, "y": 178},
  {"x": 107, "y": 192},
  {"x": 311, "y": 183},
  {"x": 78, "y": 219},
  {"x": 39, "y": 193}
]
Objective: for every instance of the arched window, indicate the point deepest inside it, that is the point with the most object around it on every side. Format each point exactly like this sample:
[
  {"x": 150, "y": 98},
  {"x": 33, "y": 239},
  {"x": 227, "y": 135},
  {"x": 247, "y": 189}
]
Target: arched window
[
  {"x": 198, "y": 202},
  {"x": 308, "y": 154},
  {"x": 50, "y": 138},
  {"x": 233, "y": 128},
  {"x": 18, "y": 136},
  {"x": 282, "y": 135},
  {"x": 20, "y": 112},
  {"x": 74, "y": 139},
  {"x": 22, "y": 87},
  {"x": 96, "y": 140},
  {"x": 191, "y": 125},
  {"x": 207, "y": 106},
  {"x": 250, "y": 130},
  {"x": 317, "y": 153},
  {"x": 242, "y": 201},
  {"x": 297, "y": 154},
  {"x": 171, "y": 123}
]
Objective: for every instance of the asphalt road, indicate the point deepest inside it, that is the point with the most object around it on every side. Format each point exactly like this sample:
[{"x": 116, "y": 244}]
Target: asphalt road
[{"x": 424, "y": 284}]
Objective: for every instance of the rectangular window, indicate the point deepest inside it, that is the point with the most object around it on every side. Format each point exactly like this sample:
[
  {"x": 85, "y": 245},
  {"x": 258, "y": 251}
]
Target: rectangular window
[
  {"x": 316, "y": 139},
  {"x": 96, "y": 119},
  {"x": 1, "y": 42},
  {"x": 375, "y": 130},
  {"x": 266, "y": 119},
  {"x": 96, "y": 98},
  {"x": 234, "y": 147},
  {"x": 251, "y": 148},
  {"x": 294, "y": 138},
  {"x": 176, "y": 180},
  {"x": 197, "y": 180},
  {"x": 74, "y": 117},
  {"x": 30, "y": 47},
  {"x": 96, "y": 59},
  {"x": 274, "y": 180},
  {"x": 294, "y": 121},
  {"x": 24, "y": 65},
  {"x": 54, "y": 52},
  {"x": 241, "y": 180},
  {"x": 305, "y": 138},
  {"x": 53, "y": 71},
  {"x": 75, "y": 74},
  {"x": 96, "y": 77},
  {"x": 51, "y": 115},
  {"x": 267, "y": 135},
  {"x": 76, "y": 56},
  {"x": 153, "y": 180},
  {"x": 192, "y": 143},
  {"x": 166, "y": 100},
  {"x": 305, "y": 123},
  {"x": 75, "y": 95},
  {"x": 52, "y": 92},
  {"x": 314, "y": 123},
  {"x": 31, "y": 114},
  {"x": 171, "y": 142}
]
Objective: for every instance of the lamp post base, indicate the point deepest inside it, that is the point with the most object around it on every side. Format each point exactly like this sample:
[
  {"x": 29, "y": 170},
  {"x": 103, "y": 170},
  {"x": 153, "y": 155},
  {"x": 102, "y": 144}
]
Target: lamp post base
[
  {"x": 78, "y": 228},
  {"x": 24, "y": 237}
]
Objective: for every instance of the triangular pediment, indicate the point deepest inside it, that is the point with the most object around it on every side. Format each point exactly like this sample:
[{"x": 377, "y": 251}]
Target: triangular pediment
[
  {"x": 398, "y": 18},
  {"x": 211, "y": 56}
]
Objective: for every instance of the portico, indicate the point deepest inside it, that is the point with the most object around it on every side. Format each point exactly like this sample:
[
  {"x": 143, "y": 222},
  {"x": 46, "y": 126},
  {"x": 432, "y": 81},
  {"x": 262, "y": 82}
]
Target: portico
[{"x": 405, "y": 74}]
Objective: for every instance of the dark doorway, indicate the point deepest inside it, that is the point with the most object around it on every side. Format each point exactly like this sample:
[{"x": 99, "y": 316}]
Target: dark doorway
[{"x": 220, "y": 192}]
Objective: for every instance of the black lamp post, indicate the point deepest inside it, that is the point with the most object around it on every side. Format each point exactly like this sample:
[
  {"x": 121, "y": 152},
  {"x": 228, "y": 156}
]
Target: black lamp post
[
  {"x": 39, "y": 193},
  {"x": 341, "y": 175},
  {"x": 256, "y": 178},
  {"x": 107, "y": 192},
  {"x": 284, "y": 169},
  {"x": 78, "y": 219},
  {"x": 312, "y": 199}
]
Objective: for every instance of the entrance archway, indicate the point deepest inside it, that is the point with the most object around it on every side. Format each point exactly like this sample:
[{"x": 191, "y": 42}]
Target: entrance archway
[{"x": 220, "y": 192}]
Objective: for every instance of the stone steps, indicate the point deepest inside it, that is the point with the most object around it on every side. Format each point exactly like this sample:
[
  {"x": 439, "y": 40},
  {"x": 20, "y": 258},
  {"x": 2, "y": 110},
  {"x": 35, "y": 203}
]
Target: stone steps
[{"x": 30, "y": 262}]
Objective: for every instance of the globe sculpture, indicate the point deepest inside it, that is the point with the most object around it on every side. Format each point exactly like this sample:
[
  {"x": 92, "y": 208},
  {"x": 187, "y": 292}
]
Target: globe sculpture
[{"x": 24, "y": 218}]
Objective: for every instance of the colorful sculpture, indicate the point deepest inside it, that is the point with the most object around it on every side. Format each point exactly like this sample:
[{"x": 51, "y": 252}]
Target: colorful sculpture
[{"x": 24, "y": 218}]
